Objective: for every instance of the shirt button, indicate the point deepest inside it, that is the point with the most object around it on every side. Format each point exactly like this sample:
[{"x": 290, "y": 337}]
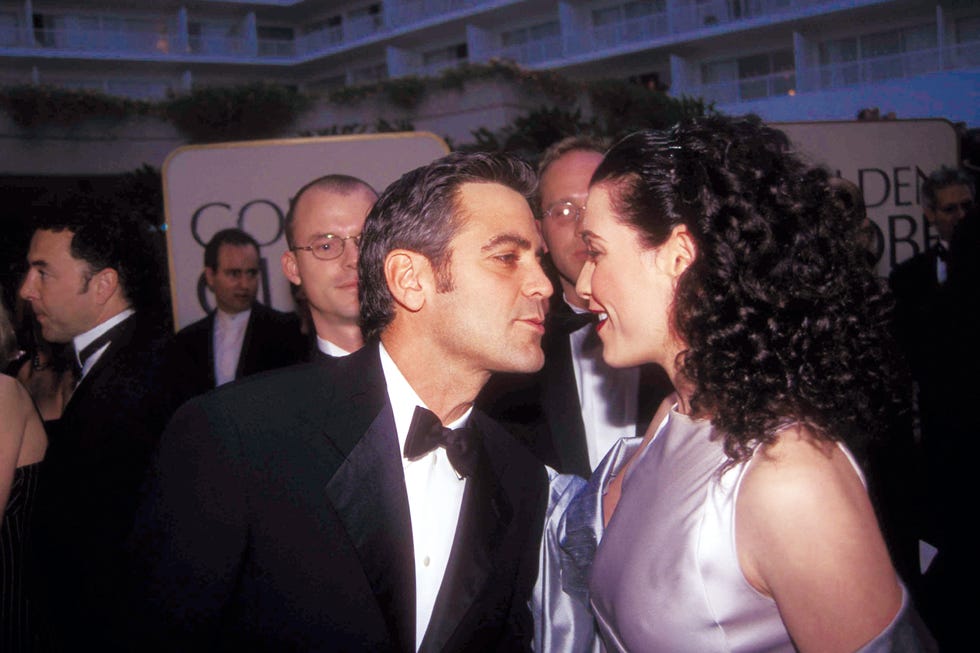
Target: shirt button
[{"x": 425, "y": 561}]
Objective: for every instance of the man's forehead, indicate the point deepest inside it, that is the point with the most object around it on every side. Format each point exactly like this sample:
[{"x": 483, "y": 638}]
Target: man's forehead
[
  {"x": 237, "y": 252},
  {"x": 319, "y": 206},
  {"x": 489, "y": 210},
  {"x": 954, "y": 191}
]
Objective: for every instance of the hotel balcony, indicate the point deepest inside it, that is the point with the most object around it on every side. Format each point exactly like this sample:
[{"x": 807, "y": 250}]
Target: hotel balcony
[
  {"x": 898, "y": 66},
  {"x": 743, "y": 90}
]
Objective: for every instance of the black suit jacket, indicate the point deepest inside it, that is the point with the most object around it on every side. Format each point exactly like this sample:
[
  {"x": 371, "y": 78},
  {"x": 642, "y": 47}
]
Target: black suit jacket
[
  {"x": 543, "y": 409},
  {"x": 272, "y": 339},
  {"x": 276, "y": 518},
  {"x": 97, "y": 455}
]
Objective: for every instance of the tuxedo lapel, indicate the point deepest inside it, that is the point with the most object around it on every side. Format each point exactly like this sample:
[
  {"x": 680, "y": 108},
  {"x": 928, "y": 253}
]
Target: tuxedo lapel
[
  {"x": 562, "y": 411},
  {"x": 90, "y": 380},
  {"x": 368, "y": 494},
  {"x": 209, "y": 348},
  {"x": 485, "y": 513}
]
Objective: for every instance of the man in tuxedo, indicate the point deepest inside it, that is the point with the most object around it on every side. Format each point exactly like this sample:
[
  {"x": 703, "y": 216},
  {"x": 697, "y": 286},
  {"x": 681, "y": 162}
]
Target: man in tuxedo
[
  {"x": 326, "y": 507},
  {"x": 323, "y": 228},
  {"x": 94, "y": 282},
  {"x": 241, "y": 336},
  {"x": 573, "y": 410},
  {"x": 918, "y": 285}
]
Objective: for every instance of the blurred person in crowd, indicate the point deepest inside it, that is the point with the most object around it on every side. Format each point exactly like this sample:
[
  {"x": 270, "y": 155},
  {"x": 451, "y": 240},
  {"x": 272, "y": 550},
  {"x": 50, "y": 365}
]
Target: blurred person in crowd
[
  {"x": 573, "y": 410},
  {"x": 92, "y": 283},
  {"x": 323, "y": 229},
  {"x": 954, "y": 444},
  {"x": 922, "y": 323},
  {"x": 241, "y": 336},
  {"x": 22, "y": 445}
]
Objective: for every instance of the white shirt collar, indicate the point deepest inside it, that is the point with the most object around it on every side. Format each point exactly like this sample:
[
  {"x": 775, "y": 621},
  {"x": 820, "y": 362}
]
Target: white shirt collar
[
  {"x": 574, "y": 308},
  {"x": 232, "y": 318},
  {"x": 82, "y": 340},
  {"x": 330, "y": 349},
  {"x": 404, "y": 399}
]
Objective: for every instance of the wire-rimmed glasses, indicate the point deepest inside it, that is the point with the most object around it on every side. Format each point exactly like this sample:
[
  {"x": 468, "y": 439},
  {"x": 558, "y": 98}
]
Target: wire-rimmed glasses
[
  {"x": 564, "y": 211},
  {"x": 328, "y": 246}
]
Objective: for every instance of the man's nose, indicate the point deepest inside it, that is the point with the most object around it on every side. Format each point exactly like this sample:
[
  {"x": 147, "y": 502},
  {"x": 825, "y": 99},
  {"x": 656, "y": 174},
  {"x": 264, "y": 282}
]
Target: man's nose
[{"x": 27, "y": 288}]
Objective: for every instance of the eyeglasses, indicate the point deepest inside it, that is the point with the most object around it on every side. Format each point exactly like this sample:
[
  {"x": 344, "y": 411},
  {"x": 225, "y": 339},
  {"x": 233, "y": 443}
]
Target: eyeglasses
[
  {"x": 951, "y": 208},
  {"x": 328, "y": 246},
  {"x": 564, "y": 211}
]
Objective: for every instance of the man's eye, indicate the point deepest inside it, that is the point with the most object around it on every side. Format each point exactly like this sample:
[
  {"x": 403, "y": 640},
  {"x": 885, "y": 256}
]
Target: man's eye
[{"x": 506, "y": 258}]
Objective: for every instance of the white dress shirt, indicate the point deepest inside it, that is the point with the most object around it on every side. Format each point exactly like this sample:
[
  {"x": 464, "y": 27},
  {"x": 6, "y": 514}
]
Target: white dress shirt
[
  {"x": 607, "y": 396},
  {"x": 330, "y": 349},
  {"x": 435, "y": 495},
  {"x": 229, "y": 335},
  {"x": 81, "y": 341}
]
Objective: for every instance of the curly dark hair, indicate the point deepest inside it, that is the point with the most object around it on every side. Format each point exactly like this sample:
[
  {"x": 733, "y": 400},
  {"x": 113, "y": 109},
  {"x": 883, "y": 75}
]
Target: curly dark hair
[{"x": 780, "y": 316}]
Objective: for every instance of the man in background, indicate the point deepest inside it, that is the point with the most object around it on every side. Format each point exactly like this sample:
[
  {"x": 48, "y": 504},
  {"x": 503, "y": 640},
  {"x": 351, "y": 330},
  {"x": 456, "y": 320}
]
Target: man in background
[
  {"x": 241, "y": 336},
  {"x": 94, "y": 282},
  {"x": 576, "y": 407},
  {"x": 323, "y": 231}
]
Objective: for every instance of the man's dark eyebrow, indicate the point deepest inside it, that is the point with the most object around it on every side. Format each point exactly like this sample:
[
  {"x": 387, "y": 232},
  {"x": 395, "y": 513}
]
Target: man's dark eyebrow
[
  {"x": 38, "y": 263},
  {"x": 503, "y": 239}
]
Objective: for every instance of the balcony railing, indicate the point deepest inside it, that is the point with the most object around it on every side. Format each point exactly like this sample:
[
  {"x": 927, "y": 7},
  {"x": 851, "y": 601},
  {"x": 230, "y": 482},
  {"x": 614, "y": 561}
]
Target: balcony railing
[
  {"x": 436, "y": 67},
  {"x": 414, "y": 11},
  {"x": 962, "y": 55},
  {"x": 217, "y": 45},
  {"x": 140, "y": 42},
  {"x": 879, "y": 69},
  {"x": 533, "y": 52},
  {"x": 751, "y": 88},
  {"x": 321, "y": 39},
  {"x": 276, "y": 48},
  {"x": 615, "y": 34},
  {"x": 336, "y": 36}
]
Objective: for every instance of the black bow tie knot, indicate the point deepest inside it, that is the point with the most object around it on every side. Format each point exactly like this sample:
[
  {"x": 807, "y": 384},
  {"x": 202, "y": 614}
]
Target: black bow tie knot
[
  {"x": 427, "y": 433},
  {"x": 570, "y": 321}
]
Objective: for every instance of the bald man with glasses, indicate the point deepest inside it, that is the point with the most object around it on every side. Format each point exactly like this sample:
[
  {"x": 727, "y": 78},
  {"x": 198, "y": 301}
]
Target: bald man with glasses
[{"x": 323, "y": 229}]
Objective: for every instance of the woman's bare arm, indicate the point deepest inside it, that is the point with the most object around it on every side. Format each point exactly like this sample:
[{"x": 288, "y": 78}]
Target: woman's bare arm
[{"x": 807, "y": 536}]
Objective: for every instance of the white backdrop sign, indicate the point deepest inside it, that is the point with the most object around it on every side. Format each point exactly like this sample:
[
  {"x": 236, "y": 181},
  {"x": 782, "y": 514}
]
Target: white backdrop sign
[
  {"x": 888, "y": 160},
  {"x": 248, "y": 185}
]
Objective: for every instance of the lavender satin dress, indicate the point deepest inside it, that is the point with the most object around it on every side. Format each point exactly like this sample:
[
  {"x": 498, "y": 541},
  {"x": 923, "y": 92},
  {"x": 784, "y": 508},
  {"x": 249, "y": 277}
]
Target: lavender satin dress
[{"x": 666, "y": 576}]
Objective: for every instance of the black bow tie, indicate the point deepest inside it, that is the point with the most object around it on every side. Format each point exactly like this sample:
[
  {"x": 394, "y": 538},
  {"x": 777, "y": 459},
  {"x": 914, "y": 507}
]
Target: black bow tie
[
  {"x": 427, "y": 432},
  {"x": 570, "y": 321}
]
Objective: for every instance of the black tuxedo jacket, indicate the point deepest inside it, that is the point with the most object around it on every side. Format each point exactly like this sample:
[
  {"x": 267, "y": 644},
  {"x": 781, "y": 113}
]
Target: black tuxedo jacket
[
  {"x": 272, "y": 340},
  {"x": 97, "y": 455},
  {"x": 543, "y": 409},
  {"x": 276, "y": 518}
]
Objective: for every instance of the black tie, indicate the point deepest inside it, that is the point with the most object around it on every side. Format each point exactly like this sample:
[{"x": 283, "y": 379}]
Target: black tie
[
  {"x": 427, "y": 432},
  {"x": 94, "y": 346},
  {"x": 570, "y": 321}
]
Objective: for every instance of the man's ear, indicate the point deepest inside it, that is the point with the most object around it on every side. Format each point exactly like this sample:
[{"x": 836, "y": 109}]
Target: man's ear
[
  {"x": 209, "y": 277},
  {"x": 106, "y": 283},
  {"x": 930, "y": 215},
  {"x": 677, "y": 253},
  {"x": 406, "y": 273},
  {"x": 544, "y": 243},
  {"x": 289, "y": 267}
]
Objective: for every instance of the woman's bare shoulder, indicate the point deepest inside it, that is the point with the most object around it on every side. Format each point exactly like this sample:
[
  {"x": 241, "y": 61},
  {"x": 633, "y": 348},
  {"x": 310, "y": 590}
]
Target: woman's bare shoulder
[{"x": 807, "y": 535}]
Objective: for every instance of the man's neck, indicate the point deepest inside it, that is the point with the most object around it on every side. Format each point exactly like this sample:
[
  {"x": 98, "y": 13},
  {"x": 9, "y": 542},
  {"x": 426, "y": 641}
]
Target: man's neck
[
  {"x": 346, "y": 336},
  {"x": 83, "y": 339},
  {"x": 447, "y": 389}
]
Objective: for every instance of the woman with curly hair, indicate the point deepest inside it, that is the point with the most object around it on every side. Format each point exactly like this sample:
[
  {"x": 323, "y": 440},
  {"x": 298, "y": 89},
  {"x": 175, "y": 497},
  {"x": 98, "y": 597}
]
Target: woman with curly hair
[{"x": 742, "y": 523}]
